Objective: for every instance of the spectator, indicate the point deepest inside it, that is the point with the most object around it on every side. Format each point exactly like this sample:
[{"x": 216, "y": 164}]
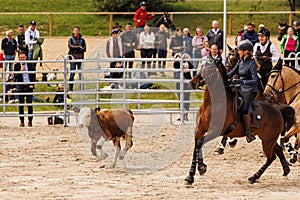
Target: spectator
[
  {"x": 117, "y": 28},
  {"x": 60, "y": 98},
  {"x": 31, "y": 36},
  {"x": 265, "y": 52},
  {"x": 213, "y": 55},
  {"x": 10, "y": 89},
  {"x": 114, "y": 47},
  {"x": 187, "y": 42},
  {"x": 215, "y": 36},
  {"x": 206, "y": 50},
  {"x": 289, "y": 44},
  {"x": 21, "y": 40},
  {"x": 239, "y": 35},
  {"x": 141, "y": 16},
  {"x": 25, "y": 77},
  {"x": 250, "y": 34},
  {"x": 9, "y": 50},
  {"x": 77, "y": 47},
  {"x": 198, "y": 45},
  {"x": 147, "y": 44},
  {"x": 297, "y": 32},
  {"x": 129, "y": 43},
  {"x": 161, "y": 44},
  {"x": 186, "y": 86},
  {"x": 260, "y": 27},
  {"x": 176, "y": 43},
  {"x": 140, "y": 75}
]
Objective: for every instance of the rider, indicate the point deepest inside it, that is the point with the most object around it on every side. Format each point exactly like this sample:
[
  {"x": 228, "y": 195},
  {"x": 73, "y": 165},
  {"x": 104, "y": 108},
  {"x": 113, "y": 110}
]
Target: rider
[
  {"x": 265, "y": 52},
  {"x": 247, "y": 70}
]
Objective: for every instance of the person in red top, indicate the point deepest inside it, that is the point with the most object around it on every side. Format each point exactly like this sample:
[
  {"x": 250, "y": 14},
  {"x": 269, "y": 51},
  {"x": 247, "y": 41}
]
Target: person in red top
[{"x": 141, "y": 16}]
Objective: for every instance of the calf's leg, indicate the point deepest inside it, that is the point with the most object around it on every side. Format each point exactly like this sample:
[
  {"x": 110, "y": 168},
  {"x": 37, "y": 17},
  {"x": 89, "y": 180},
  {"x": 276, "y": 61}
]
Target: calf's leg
[
  {"x": 128, "y": 145},
  {"x": 117, "y": 145},
  {"x": 100, "y": 143}
]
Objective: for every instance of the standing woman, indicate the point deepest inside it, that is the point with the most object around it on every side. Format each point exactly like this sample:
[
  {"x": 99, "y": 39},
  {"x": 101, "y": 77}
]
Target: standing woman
[
  {"x": 265, "y": 52},
  {"x": 147, "y": 44},
  {"x": 176, "y": 43},
  {"x": 289, "y": 44},
  {"x": 198, "y": 44},
  {"x": 247, "y": 70},
  {"x": 161, "y": 44},
  {"x": 187, "y": 42}
]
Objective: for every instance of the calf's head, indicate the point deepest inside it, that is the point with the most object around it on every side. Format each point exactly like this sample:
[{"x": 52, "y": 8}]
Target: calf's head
[{"x": 84, "y": 117}]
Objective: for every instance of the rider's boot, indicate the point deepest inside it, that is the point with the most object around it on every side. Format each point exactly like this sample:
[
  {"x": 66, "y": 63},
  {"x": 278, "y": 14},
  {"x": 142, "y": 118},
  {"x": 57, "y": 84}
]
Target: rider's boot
[{"x": 249, "y": 136}]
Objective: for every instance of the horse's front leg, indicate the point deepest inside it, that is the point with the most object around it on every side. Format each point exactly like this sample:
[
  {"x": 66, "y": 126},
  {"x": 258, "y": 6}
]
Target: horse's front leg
[
  {"x": 202, "y": 167},
  {"x": 189, "y": 180}
]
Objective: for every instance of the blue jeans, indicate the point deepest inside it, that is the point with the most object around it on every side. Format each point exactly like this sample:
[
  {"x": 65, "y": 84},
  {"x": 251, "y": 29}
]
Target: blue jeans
[
  {"x": 9, "y": 57},
  {"x": 162, "y": 53},
  {"x": 72, "y": 74},
  {"x": 196, "y": 54}
]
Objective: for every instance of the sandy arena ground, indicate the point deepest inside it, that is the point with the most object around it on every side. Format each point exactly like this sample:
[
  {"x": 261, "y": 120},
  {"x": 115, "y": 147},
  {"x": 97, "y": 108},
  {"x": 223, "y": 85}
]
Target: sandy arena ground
[{"x": 46, "y": 162}]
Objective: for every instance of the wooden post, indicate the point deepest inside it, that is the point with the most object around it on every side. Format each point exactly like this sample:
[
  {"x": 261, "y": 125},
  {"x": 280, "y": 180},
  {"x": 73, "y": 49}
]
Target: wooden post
[
  {"x": 291, "y": 19},
  {"x": 110, "y": 23},
  {"x": 230, "y": 24},
  {"x": 51, "y": 24}
]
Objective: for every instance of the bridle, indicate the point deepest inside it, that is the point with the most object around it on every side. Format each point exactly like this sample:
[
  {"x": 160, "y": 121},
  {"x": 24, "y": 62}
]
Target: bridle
[{"x": 281, "y": 90}]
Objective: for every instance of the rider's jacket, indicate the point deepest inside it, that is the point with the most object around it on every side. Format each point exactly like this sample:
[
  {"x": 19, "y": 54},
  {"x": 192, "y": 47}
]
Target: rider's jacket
[{"x": 247, "y": 70}]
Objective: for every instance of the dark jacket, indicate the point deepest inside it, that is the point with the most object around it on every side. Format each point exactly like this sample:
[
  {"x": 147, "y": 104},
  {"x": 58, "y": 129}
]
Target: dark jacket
[
  {"x": 21, "y": 43},
  {"x": 250, "y": 35},
  {"x": 176, "y": 44},
  {"x": 77, "y": 47},
  {"x": 187, "y": 41},
  {"x": 59, "y": 97},
  {"x": 186, "y": 75},
  {"x": 19, "y": 77},
  {"x": 9, "y": 46},
  {"x": 215, "y": 38},
  {"x": 129, "y": 41},
  {"x": 161, "y": 40},
  {"x": 247, "y": 70}
]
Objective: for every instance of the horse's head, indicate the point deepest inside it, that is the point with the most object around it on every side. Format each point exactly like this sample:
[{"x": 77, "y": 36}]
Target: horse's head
[
  {"x": 164, "y": 19},
  {"x": 197, "y": 81},
  {"x": 275, "y": 83},
  {"x": 232, "y": 58},
  {"x": 282, "y": 29}
]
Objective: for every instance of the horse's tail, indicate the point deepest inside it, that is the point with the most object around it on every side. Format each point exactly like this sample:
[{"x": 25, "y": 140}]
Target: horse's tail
[{"x": 288, "y": 114}]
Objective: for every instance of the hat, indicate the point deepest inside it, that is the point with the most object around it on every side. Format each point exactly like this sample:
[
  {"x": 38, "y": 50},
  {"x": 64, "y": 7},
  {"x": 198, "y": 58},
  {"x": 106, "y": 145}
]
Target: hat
[
  {"x": 296, "y": 23},
  {"x": 245, "y": 45},
  {"x": 261, "y": 26},
  {"x": 33, "y": 23},
  {"x": 143, "y": 3},
  {"x": 114, "y": 32},
  {"x": 117, "y": 25},
  {"x": 264, "y": 32}
]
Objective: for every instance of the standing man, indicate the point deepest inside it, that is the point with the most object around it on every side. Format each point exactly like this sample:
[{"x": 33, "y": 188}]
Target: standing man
[
  {"x": 215, "y": 36},
  {"x": 25, "y": 77},
  {"x": 31, "y": 36},
  {"x": 129, "y": 43},
  {"x": 141, "y": 16},
  {"x": 21, "y": 40},
  {"x": 250, "y": 34},
  {"x": 9, "y": 50},
  {"x": 77, "y": 47}
]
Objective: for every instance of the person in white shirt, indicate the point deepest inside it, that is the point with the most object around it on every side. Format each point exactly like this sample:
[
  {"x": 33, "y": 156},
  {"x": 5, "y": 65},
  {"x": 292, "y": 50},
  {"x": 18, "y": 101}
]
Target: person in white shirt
[
  {"x": 265, "y": 53},
  {"x": 147, "y": 39},
  {"x": 31, "y": 36}
]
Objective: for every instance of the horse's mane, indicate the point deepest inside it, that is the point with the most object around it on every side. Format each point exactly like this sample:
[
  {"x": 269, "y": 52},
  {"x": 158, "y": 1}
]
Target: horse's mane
[{"x": 294, "y": 69}]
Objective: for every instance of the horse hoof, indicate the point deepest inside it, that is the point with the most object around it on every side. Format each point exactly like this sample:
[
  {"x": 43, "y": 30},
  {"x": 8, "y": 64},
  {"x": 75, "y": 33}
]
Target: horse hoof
[
  {"x": 252, "y": 180},
  {"x": 219, "y": 151},
  {"x": 122, "y": 156},
  {"x": 286, "y": 171},
  {"x": 202, "y": 168},
  {"x": 232, "y": 143},
  {"x": 102, "y": 156},
  {"x": 292, "y": 160},
  {"x": 189, "y": 180}
]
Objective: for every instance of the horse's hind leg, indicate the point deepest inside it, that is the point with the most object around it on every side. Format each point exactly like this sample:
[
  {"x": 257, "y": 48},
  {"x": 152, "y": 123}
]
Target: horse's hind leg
[
  {"x": 190, "y": 178},
  {"x": 279, "y": 152},
  {"x": 270, "y": 154}
]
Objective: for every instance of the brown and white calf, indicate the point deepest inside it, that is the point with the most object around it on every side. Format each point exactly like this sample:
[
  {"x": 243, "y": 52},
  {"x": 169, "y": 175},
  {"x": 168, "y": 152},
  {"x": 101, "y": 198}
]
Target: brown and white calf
[{"x": 107, "y": 125}]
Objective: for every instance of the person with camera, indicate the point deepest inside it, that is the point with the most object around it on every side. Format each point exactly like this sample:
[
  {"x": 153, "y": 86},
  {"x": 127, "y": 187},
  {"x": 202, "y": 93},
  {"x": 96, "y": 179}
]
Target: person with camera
[{"x": 248, "y": 81}]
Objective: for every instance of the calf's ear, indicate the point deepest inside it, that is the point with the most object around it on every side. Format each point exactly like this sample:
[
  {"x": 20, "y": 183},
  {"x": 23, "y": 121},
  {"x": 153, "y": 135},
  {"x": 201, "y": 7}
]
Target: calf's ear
[
  {"x": 76, "y": 109},
  {"x": 97, "y": 109}
]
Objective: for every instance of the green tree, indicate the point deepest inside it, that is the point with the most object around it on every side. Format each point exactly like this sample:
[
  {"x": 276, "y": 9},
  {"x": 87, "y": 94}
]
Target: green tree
[{"x": 128, "y": 5}]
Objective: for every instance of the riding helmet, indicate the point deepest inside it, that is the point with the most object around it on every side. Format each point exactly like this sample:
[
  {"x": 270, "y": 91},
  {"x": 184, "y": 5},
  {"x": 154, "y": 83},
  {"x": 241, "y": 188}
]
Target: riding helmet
[
  {"x": 143, "y": 3},
  {"x": 264, "y": 32},
  {"x": 296, "y": 23},
  {"x": 245, "y": 45}
]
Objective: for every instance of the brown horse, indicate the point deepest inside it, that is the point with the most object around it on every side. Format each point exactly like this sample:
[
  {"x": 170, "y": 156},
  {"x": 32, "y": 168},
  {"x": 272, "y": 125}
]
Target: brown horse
[
  {"x": 217, "y": 116},
  {"x": 284, "y": 82}
]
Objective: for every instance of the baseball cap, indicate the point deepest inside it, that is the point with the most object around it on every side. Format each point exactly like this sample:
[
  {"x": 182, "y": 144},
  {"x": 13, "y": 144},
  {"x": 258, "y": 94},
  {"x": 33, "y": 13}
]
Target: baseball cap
[
  {"x": 261, "y": 26},
  {"x": 114, "y": 32},
  {"x": 33, "y": 23}
]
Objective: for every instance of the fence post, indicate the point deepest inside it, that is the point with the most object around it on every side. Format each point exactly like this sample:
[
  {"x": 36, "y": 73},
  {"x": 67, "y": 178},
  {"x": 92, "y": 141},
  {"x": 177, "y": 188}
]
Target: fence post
[
  {"x": 65, "y": 91},
  {"x": 290, "y": 18},
  {"x": 51, "y": 24},
  {"x": 110, "y": 23}
]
